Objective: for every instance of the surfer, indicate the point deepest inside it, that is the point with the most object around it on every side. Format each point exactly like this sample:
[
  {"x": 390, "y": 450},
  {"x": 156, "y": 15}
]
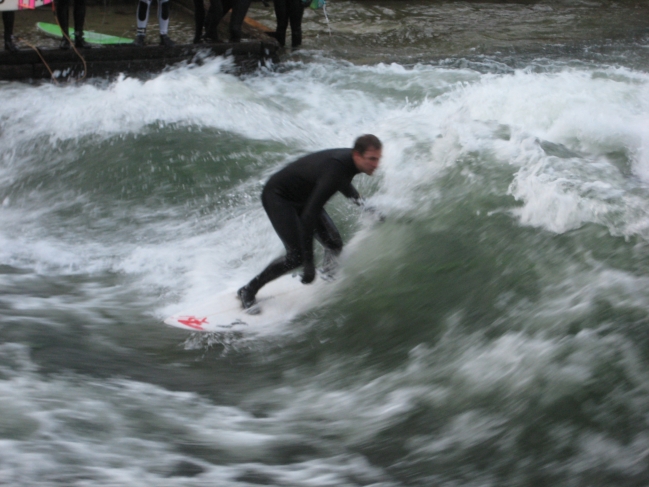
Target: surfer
[
  {"x": 294, "y": 200},
  {"x": 62, "y": 8},
  {"x": 142, "y": 18}
]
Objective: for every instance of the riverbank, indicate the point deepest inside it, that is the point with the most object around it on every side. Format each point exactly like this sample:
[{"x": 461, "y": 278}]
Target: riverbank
[
  {"x": 258, "y": 48},
  {"x": 420, "y": 30},
  {"x": 416, "y": 29}
]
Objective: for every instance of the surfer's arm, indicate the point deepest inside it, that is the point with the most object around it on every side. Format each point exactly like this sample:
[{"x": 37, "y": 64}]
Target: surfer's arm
[{"x": 352, "y": 193}]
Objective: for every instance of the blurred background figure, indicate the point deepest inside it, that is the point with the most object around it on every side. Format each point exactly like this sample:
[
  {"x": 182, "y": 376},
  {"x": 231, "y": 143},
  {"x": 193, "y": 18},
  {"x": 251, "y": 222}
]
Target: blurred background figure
[
  {"x": 8, "y": 25},
  {"x": 289, "y": 11},
  {"x": 62, "y": 8},
  {"x": 217, "y": 10},
  {"x": 143, "y": 20}
]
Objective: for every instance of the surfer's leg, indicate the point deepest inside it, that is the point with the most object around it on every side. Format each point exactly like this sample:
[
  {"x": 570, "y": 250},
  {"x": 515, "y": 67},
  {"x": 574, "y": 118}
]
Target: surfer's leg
[
  {"x": 296, "y": 12},
  {"x": 239, "y": 11},
  {"x": 142, "y": 18},
  {"x": 281, "y": 12},
  {"x": 286, "y": 222},
  {"x": 277, "y": 268},
  {"x": 8, "y": 18},
  {"x": 328, "y": 235}
]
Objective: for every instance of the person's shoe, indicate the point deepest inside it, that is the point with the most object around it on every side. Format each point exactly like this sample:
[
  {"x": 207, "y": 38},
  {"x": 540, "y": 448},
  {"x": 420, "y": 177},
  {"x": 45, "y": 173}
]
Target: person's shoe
[
  {"x": 139, "y": 40},
  {"x": 211, "y": 39},
  {"x": 166, "y": 41},
  {"x": 65, "y": 44},
  {"x": 235, "y": 36},
  {"x": 80, "y": 42},
  {"x": 10, "y": 46},
  {"x": 248, "y": 301}
]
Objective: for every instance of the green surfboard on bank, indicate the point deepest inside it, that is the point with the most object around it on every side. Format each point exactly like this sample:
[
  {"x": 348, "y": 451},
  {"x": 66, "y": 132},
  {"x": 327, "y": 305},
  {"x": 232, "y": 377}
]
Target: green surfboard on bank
[{"x": 89, "y": 36}]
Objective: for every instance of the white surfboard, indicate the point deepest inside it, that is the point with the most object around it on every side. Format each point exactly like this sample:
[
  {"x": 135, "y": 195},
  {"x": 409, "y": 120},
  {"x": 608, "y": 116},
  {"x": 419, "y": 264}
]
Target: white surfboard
[
  {"x": 22, "y": 4},
  {"x": 279, "y": 301}
]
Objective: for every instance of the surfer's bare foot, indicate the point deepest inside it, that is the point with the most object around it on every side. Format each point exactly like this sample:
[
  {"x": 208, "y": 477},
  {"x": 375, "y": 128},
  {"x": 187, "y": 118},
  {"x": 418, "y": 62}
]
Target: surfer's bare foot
[{"x": 248, "y": 301}]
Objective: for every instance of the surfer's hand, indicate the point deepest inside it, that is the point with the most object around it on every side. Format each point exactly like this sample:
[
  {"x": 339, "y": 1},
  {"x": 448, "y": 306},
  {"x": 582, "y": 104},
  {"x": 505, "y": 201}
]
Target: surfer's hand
[
  {"x": 375, "y": 212},
  {"x": 369, "y": 209},
  {"x": 308, "y": 274}
]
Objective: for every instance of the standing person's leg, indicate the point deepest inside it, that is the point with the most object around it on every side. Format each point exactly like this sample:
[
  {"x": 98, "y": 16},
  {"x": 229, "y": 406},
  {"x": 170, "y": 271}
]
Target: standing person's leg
[
  {"x": 214, "y": 16},
  {"x": 142, "y": 17},
  {"x": 296, "y": 12},
  {"x": 79, "y": 13},
  {"x": 328, "y": 235},
  {"x": 62, "y": 15},
  {"x": 199, "y": 20},
  {"x": 239, "y": 11},
  {"x": 8, "y": 18},
  {"x": 281, "y": 13},
  {"x": 163, "y": 21}
]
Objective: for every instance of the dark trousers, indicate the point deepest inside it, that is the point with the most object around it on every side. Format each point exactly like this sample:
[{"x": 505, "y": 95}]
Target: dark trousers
[
  {"x": 8, "y": 23},
  {"x": 289, "y": 11},
  {"x": 215, "y": 13},
  {"x": 63, "y": 13},
  {"x": 285, "y": 219}
]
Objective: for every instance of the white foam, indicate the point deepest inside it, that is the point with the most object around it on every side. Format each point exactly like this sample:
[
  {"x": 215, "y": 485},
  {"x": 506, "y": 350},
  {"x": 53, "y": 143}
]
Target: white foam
[{"x": 65, "y": 429}]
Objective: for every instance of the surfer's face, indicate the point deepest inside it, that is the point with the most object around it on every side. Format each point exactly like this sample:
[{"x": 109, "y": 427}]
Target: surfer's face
[{"x": 368, "y": 161}]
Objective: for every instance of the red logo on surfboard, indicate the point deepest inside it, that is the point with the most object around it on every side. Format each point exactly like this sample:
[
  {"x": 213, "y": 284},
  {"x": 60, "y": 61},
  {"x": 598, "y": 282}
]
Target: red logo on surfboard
[{"x": 193, "y": 322}]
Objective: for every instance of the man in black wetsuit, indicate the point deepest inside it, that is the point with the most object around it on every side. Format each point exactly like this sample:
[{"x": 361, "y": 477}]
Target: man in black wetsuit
[{"x": 294, "y": 200}]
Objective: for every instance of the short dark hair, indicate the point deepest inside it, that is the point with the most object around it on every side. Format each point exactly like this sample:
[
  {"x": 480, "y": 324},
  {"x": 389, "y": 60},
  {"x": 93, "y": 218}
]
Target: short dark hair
[{"x": 367, "y": 141}]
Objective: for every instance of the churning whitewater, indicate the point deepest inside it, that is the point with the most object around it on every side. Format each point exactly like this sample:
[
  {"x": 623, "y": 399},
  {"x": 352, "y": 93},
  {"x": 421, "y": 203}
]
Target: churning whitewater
[{"x": 491, "y": 331}]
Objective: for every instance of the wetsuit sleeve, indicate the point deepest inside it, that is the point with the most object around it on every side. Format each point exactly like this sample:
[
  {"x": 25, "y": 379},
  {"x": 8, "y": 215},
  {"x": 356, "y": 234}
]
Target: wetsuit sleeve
[
  {"x": 327, "y": 185},
  {"x": 350, "y": 192}
]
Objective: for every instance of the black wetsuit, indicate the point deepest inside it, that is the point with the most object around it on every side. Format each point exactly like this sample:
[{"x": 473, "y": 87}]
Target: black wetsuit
[{"x": 294, "y": 200}]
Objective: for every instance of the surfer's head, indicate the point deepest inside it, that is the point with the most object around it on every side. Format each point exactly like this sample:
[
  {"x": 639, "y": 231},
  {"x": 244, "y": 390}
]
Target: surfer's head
[{"x": 367, "y": 153}]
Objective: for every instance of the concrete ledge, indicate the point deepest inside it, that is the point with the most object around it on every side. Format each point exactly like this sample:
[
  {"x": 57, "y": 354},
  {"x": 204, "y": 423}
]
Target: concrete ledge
[{"x": 106, "y": 61}]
